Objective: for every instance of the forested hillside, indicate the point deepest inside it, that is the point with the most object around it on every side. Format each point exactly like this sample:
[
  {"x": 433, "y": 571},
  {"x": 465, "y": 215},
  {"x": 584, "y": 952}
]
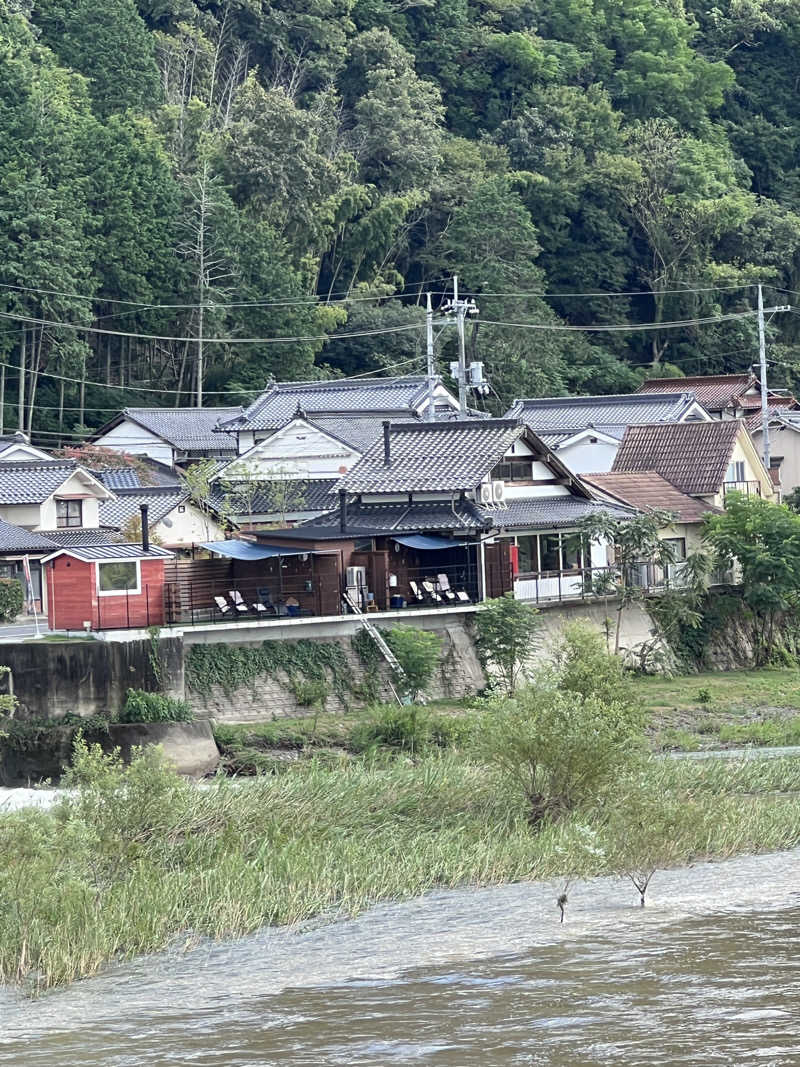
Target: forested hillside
[{"x": 307, "y": 167}]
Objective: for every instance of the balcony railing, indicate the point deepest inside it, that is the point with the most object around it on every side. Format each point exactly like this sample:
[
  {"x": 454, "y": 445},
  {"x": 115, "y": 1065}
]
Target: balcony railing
[
  {"x": 749, "y": 488},
  {"x": 597, "y": 583}
]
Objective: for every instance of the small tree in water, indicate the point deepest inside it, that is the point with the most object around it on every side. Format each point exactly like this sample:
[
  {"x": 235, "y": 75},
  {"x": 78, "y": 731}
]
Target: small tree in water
[
  {"x": 645, "y": 825},
  {"x": 506, "y": 642}
]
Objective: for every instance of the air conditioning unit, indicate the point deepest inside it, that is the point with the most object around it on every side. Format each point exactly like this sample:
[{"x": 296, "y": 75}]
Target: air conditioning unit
[
  {"x": 486, "y": 494},
  {"x": 499, "y": 493},
  {"x": 356, "y": 578}
]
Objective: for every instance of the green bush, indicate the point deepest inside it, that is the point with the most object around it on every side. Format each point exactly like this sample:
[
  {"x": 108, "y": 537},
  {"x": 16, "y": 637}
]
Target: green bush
[
  {"x": 586, "y": 667},
  {"x": 559, "y": 750},
  {"x": 505, "y": 638},
  {"x": 11, "y": 599},
  {"x": 417, "y": 652},
  {"x": 406, "y": 728},
  {"x": 154, "y": 707}
]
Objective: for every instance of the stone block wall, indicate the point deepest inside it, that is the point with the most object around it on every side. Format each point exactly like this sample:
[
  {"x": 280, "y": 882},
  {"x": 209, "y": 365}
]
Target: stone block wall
[{"x": 270, "y": 697}]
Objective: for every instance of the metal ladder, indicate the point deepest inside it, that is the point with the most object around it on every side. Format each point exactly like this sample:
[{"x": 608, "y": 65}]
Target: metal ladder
[{"x": 384, "y": 649}]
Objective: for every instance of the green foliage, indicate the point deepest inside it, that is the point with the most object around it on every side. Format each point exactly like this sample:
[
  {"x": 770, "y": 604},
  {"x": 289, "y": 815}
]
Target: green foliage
[
  {"x": 12, "y": 599},
  {"x": 763, "y": 539},
  {"x": 585, "y": 667},
  {"x": 140, "y": 706},
  {"x": 232, "y": 666},
  {"x": 417, "y": 652},
  {"x": 135, "y": 857},
  {"x": 506, "y": 638},
  {"x": 249, "y": 156},
  {"x": 559, "y": 750}
]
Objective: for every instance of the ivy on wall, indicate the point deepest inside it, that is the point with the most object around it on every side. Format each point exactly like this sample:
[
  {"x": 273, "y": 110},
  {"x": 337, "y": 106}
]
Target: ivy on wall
[{"x": 235, "y": 666}]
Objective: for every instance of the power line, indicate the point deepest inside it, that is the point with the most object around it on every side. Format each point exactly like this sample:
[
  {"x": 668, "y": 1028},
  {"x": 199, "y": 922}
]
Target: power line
[
  {"x": 209, "y": 392},
  {"x": 311, "y": 301},
  {"x": 633, "y": 292},
  {"x": 322, "y": 301},
  {"x": 567, "y": 328},
  {"x": 212, "y": 340}
]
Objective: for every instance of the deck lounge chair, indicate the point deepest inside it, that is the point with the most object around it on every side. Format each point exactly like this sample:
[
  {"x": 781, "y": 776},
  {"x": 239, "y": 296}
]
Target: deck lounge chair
[
  {"x": 238, "y": 601},
  {"x": 463, "y": 596},
  {"x": 443, "y": 585},
  {"x": 222, "y": 605},
  {"x": 430, "y": 589},
  {"x": 416, "y": 592}
]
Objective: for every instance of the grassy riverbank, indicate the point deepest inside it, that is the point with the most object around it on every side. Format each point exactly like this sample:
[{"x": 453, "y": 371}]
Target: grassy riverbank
[
  {"x": 713, "y": 709},
  {"x": 140, "y": 859}
]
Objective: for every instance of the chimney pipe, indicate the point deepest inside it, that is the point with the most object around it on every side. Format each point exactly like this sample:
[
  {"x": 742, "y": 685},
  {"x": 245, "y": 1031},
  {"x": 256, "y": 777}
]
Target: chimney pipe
[
  {"x": 145, "y": 531},
  {"x": 387, "y": 448},
  {"x": 342, "y": 511}
]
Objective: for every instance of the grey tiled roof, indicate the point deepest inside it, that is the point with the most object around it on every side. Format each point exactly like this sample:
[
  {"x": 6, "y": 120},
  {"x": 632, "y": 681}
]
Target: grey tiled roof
[
  {"x": 32, "y": 483},
  {"x": 433, "y": 456},
  {"x": 147, "y": 473},
  {"x": 187, "y": 429},
  {"x": 79, "y": 536},
  {"x": 14, "y": 539},
  {"x": 280, "y": 402},
  {"x": 369, "y": 520},
  {"x": 316, "y": 497},
  {"x": 90, "y": 553},
  {"x": 558, "y": 414},
  {"x": 359, "y": 432},
  {"x": 550, "y": 513},
  {"x": 125, "y": 506}
]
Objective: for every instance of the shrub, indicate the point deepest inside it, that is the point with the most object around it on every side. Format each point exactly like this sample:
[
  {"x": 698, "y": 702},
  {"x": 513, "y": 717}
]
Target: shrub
[
  {"x": 154, "y": 707},
  {"x": 11, "y": 599},
  {"x": 417, "y": 652},
  {"x": 586, "y": 667},
  {"x": 505, "y": 638},
  {"x": 704, "y": 695},
  {"x": 406, "y": 728},
  {"x": 559, "y": 749}
]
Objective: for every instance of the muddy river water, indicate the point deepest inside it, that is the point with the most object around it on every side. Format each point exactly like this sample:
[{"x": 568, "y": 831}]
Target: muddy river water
[{"x": 708, "y": 973}]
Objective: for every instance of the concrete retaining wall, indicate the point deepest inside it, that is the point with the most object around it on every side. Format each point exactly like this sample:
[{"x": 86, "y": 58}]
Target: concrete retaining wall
[
  {"x": 459, "y": 674},
  {"x": 51, "y": 679}
]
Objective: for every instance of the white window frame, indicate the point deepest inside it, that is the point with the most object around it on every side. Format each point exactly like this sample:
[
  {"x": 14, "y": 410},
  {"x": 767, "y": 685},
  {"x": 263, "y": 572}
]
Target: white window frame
[{"x": 118, "y": 592}]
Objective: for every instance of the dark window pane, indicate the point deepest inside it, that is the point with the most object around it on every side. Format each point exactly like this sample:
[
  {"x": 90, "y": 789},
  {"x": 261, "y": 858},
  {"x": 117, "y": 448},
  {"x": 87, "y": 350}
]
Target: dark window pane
[
  {"x": 551, "y": 557},
  {"x": 118, "y": 577},
  {"x": 528, "y": 561},
  {"x": 572, "y": 551}
]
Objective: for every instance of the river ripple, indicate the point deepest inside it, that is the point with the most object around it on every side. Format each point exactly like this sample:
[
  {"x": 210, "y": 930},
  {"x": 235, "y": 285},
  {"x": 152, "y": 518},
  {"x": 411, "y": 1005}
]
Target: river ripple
[{"x": 708, "y": 973}]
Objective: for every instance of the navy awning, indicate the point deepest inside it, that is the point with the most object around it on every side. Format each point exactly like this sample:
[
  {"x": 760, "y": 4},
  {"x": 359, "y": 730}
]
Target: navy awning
[
  {"x": 429, "y": 542},
  {"x": 248, "y": 550}
]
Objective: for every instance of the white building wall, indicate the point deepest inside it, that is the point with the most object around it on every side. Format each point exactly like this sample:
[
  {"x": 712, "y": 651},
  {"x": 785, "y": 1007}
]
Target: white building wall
[
  {"x": 583, "y": 457},
  {"x": 129, "y": 437},
  {"x": 296, "y": 451},
  {"x": 182, "y": 529}
]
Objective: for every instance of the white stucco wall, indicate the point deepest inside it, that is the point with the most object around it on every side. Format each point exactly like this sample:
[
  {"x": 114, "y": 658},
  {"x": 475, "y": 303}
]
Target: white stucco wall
[
  {"x": 297, "y": 451},
  {"x": 187, "y": 527},
  {"x": 585, "y": 457},
  {"x": 129, "y": 437}
]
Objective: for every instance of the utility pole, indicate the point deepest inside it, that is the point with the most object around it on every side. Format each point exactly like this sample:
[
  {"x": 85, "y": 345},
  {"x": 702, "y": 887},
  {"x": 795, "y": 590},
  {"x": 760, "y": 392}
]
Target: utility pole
[
  {"x": 762, "y": 358},
  {"x": 200, "y": 351},
  {"x": 461, "y": 312},
  {"x": 462, "y": 308},
  {"x": 430, "y": 412}
]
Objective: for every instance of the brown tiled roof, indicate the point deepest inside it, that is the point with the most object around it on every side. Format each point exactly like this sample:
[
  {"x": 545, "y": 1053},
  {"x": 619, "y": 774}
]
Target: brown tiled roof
[
  {"x": 693, "y": 456},
  {"x": 712, "y": 391},
  {"x": 648, "y": 491},
  {"x": 776, "y": 404}
]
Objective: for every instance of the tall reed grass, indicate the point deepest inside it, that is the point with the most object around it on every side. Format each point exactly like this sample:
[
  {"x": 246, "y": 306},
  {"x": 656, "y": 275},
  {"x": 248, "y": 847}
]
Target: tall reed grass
[{"x": 138, "y": 859}]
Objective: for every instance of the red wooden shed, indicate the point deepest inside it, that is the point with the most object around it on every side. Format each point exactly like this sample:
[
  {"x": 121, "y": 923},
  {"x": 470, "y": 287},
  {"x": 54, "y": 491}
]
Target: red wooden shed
[{"x": 108, "y": 587}]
